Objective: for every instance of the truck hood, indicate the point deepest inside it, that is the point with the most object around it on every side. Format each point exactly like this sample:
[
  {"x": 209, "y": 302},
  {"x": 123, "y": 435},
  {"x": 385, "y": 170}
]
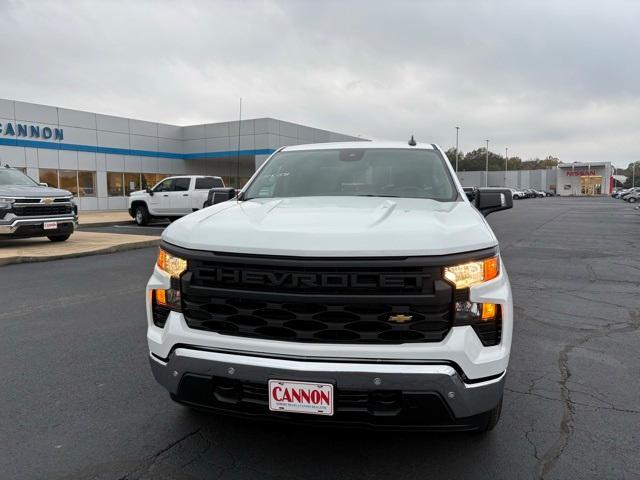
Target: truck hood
[
  {"x": 32, "y": 191},
  {"x": 334, "y": 226}
]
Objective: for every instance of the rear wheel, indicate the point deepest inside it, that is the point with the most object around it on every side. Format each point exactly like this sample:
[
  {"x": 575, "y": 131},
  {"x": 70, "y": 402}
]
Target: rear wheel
[
  {"x": 632, "y": 200},
  {"x": 141, "y": 215},
  {"x": 58, "y": 238}
]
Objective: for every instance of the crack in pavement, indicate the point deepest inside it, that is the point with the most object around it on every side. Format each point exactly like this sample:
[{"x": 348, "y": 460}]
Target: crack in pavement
[
  {"x": 611, "y": 407},
  {"x": 553, "y": 454},
  {"x": 148, "y": 464}
]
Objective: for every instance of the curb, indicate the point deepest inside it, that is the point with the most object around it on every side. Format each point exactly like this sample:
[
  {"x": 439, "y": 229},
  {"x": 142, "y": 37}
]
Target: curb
[
  {"x": 111, "y": 249},
  {"x": 110, "y": 223}
]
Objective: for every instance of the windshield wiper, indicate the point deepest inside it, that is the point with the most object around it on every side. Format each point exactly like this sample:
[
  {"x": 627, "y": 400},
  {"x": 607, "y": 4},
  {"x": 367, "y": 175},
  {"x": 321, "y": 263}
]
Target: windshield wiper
[{"x": 372, "y": 195}]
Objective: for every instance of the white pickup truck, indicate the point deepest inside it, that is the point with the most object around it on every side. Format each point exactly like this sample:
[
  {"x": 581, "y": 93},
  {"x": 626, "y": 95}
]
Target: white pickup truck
[
  {"x": 352, "y": 283},
  {"x": 172, "y": 197}
]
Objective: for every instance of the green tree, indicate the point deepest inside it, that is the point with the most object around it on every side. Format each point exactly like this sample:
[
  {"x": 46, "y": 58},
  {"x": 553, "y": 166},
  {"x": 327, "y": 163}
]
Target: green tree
[
  {"x": 476, "y": 160},
  {"x": 451, "y": 156}
]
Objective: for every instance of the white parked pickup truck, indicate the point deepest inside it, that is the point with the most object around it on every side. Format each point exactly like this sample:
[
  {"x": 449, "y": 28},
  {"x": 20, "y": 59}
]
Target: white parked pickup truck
[
  {"x": 352, "y": 283},
  {"x": 172, "y": 197}
]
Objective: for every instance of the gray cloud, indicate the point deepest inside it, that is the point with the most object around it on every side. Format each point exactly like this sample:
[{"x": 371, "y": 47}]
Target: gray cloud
[{"x": 540, "y": 77}]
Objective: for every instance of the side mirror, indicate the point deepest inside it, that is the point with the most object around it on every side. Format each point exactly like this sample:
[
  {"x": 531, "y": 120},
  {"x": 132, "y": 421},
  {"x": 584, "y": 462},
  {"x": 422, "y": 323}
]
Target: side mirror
[
  {"x": 43, "y": 184},
  {"x": 219, "y": 195},
  {"x": 470, "y": 193},
  {"x": 149, "y": 191},
  {"x": 489, "y": 201}
]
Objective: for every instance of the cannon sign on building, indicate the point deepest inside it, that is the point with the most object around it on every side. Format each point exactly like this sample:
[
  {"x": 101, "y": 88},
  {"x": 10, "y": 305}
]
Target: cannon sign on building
[{"x": 102, "y": 158}]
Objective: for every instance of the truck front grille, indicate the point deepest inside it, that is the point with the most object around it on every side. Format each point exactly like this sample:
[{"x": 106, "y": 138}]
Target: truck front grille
[
  {"x": 312, "y": 322},
  {"x": 322, "y": 301},
  {"x": 41, "y": 210}
]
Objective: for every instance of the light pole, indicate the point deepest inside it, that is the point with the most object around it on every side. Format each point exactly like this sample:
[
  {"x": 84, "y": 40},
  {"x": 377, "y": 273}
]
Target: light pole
[
  {"x": 457, "y": 131},
  {"x": 633, "y": 175},
  {"x": 486, "y": 166},
  {"x": 506, "y": 164}
]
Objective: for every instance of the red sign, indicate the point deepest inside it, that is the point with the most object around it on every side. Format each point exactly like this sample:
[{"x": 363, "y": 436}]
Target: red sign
[{"x": 581, "y": 173}]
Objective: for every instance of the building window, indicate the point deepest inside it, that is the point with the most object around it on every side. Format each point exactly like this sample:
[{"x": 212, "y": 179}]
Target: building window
[
  {"x": 50, "y": 177},
  {"x": 69, "y": 181},
  {"x": 131, "y": 183},
  {"x": 148, "y": 180},
  {"x": 115, "y": 184},
  {"x": 87, "y": 184}
]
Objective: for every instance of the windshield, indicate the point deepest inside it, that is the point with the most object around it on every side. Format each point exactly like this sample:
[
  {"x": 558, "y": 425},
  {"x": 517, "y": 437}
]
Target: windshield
[
  {"x": 15, "y": 177},
  {"x": 372, "y": 172}
]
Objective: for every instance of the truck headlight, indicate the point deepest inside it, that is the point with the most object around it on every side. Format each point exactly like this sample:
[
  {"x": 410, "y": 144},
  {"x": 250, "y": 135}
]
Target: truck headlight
[
  {"x": 6, "y": 203},
  {"x": 170, "y": 264},
  {"x": 472, "y": 273}
]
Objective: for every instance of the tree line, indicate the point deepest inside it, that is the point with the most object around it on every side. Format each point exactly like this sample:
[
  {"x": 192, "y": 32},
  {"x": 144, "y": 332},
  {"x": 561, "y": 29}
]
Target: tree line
[
  {"x": 628, "y": 172},
  {"x": 475, "y": 160}
]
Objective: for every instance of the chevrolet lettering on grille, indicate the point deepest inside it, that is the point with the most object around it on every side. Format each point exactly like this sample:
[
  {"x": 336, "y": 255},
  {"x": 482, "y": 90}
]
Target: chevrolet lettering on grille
[{"x": 318, "y": 280}]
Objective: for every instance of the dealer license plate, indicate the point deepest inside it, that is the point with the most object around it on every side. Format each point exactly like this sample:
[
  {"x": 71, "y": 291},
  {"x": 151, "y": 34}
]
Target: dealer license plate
[
  {"x": 50, "y": 225},
  {"x": 301, "y": 397}
]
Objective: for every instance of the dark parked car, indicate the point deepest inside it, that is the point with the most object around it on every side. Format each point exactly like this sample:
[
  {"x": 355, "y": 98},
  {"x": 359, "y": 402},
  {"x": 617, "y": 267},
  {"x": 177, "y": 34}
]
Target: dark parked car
[{"x": 31, "y": 209}]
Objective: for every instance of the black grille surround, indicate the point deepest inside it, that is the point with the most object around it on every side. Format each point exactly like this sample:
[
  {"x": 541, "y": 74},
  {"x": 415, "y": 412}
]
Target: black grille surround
[
  {"x": 319, "y": 300},
  {"x": 42, "y": 210}
]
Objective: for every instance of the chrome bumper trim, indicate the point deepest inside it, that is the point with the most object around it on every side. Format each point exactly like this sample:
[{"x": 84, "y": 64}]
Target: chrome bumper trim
[
  {"x": 464, "y": 400},
  {"x": 23, "y": 221}
]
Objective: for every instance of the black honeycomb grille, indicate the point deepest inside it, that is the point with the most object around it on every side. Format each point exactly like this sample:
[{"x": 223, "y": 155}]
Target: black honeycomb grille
[
  {"x": 380, "y": 304},
  {"x": 315, "y": 322},
  {"x": 36, "y": 210}
]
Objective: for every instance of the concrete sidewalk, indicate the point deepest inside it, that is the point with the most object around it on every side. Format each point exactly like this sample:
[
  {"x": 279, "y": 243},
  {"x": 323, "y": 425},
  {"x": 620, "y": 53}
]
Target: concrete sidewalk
[
  {"x": 80, "y": 244},
  {"x": 103, "y": 219}
]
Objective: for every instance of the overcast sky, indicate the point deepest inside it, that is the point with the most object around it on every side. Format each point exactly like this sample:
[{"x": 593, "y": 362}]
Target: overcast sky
[{"x": 542, "y": 78}]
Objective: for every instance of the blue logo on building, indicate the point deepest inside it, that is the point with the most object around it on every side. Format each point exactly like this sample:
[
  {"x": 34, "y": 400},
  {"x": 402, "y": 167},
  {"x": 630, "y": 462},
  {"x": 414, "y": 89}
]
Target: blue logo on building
[{"x": 31, "y": 131}]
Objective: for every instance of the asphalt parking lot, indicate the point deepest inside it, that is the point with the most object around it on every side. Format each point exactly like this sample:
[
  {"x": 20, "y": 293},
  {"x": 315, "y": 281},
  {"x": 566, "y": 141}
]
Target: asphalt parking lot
[{"x": 78, "y": 399}]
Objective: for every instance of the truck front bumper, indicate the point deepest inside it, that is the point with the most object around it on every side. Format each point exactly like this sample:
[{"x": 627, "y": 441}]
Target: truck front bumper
[
  {"x": 29, "y": 225},
  {"x": 398, "y": 394}
]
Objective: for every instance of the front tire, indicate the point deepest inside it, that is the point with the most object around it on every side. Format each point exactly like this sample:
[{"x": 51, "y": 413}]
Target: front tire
[
  {"x": 59, "y": 238},
  {"x": 141, "y": 215},
  {"x": 632, "y": 200}
]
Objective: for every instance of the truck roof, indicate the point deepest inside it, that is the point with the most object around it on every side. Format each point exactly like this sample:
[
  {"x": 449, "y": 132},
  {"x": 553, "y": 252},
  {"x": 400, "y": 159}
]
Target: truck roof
[
  {"x": 191, "y": 176},
  {"x": 363, "y": 144}
]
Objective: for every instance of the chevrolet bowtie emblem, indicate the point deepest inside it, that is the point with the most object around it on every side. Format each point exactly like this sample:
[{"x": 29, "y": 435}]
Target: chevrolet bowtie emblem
[
  {"x": 400, "y": 318},
  {"x": 47, "y": 200}
]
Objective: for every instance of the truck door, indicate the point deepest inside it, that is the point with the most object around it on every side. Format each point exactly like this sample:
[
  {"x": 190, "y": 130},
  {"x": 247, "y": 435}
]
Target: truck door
[{"x": 159, "y": 203}]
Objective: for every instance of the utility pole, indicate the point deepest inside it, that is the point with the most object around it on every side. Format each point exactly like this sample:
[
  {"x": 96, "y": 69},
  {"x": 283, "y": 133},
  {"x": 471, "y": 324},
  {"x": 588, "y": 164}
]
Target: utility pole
[
  {"x": 457, "y": 131},
  {"x": 486, "y": 166},
  {"x": 238, "y": 158},
  {"x": 633, "y": 175},
  {"x": 506, "y": 164}
]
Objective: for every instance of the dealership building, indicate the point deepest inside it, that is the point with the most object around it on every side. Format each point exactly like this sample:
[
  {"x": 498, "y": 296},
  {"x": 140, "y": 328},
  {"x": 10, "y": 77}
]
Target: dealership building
[
  {"x": 102, "y": 158},
  {"x": 595, "y": 178}
]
